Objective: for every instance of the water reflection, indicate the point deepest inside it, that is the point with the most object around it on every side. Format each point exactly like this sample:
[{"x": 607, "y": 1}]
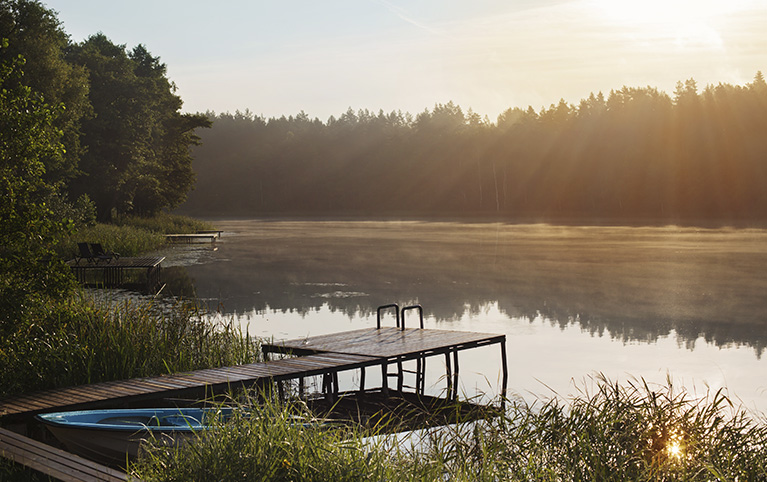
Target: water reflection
[
  {"x": 631, "y": 284},
  {"x": 643, "y": 302}
]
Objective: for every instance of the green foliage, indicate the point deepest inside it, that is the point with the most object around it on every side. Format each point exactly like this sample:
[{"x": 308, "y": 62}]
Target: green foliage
[
  {"x": 36, "y": 34},
  {"x": 29, "y": 272},
  {"x": 66, "y": 344},
  {"x": 137, "y": 157}
]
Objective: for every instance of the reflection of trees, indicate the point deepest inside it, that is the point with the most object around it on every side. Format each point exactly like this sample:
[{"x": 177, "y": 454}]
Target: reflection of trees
[{"x": 632, "y": 284}]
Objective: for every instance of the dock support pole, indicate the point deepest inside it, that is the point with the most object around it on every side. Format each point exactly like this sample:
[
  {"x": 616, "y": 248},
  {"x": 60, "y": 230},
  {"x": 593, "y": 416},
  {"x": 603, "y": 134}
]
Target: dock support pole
[
  {"x": 385, "y": 378},
  {"x": 448, "y": 374},
  {"x": 455, "y": 375},
  {"x": 362, "y": 380},
  {"x": 505, "y": 369}
]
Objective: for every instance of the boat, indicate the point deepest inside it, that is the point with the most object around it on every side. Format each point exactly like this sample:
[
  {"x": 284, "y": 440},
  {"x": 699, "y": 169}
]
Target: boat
[{"x": 113, "y": 436}]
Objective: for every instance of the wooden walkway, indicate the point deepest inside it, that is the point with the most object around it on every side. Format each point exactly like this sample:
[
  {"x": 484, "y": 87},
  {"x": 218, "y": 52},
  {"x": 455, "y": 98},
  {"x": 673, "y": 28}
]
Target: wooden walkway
[
  {"x": 200, "y": 383},
  {"x": 324, "y": 355},
  {"x": 142, "y": 272},
  {"x": 55, "y": 462}
]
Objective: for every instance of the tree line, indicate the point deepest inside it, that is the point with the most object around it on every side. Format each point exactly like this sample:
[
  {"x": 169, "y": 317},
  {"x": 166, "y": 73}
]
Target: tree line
[
  {"x": 126, "y": 144},
  {"x": 636, "y": 154}
]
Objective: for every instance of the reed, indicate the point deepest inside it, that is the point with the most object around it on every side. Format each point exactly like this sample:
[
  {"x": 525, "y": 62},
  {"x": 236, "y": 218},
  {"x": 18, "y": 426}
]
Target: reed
[
  {"x": 266, "y": 440},
  {"x": 618, "y": 432},
  {"x": 165, "y": 223},
  {"x": 84, "y": 340}
]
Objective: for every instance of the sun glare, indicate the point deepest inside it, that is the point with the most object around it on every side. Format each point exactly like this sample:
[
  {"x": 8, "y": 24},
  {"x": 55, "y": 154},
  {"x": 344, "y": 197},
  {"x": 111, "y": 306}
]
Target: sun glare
[{"x": 683, "y": 21}]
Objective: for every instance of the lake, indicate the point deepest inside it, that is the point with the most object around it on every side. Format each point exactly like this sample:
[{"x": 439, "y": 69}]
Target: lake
[{"x": 631, "y": 303}]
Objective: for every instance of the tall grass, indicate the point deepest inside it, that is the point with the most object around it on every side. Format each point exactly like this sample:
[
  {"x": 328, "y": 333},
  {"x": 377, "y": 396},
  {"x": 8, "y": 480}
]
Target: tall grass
[
  {"x": 266, "y": 441},
  {"x": 165, "y": 223},
  {"x": 125, "y": 240},
  {"x": 620, "y": 432},
  {"x": 85, "y": 341}
]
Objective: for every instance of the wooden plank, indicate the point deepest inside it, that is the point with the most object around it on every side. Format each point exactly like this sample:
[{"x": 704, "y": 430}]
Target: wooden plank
[{"x": 55, "y": 462}]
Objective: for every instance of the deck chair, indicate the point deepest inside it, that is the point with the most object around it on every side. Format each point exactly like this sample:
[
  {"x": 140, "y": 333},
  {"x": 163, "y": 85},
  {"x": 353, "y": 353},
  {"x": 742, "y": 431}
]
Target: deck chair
[
  {"x": 99, "y": 252},
  {"x": 87, "y": 254}
]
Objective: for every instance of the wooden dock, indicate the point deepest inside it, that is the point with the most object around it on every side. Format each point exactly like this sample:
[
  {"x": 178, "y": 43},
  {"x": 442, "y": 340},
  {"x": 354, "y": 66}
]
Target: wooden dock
[
  {"x": 141, "y": 273},
  {"x": 324, "y": 355},
  {"x": 193, "y": 238}
]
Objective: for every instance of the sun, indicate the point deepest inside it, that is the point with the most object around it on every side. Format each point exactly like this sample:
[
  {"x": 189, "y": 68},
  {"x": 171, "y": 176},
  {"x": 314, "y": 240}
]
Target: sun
[{"x": 684, "y": 22}]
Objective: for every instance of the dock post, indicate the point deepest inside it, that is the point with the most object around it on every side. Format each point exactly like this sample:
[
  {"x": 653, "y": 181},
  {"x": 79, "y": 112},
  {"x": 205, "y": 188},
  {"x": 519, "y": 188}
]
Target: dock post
[
  {"x": 505, "y": 370},
  {"x": 362, "y": 380},
  {"x": 455, "y": 375},
  {"x": 448, "y": 374},
  {"x": 385, "y": 378}
]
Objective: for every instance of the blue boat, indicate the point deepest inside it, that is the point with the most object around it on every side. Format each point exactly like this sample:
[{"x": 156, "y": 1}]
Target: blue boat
[{"x": 114, "y": 436}]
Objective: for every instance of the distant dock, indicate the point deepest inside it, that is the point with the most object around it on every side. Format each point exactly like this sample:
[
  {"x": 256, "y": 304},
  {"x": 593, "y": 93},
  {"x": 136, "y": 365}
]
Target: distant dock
[
  {"x": 199, "y": 237},
  {"x": 140, "y": 273}
]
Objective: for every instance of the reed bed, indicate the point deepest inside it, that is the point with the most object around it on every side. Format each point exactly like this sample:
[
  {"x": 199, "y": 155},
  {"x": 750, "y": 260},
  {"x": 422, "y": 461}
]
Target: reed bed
[
  {"x": 84, "y": 340},
  {"x": 165, "y": 223},
  {"x": 619, "y": 432}
]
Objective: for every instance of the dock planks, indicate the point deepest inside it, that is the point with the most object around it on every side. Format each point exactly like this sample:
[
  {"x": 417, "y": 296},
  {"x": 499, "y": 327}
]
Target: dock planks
[
  {"x": 55, "y": 462},
  {"x": 387, "y": 342},
  {"x": 196, "y": 383}
]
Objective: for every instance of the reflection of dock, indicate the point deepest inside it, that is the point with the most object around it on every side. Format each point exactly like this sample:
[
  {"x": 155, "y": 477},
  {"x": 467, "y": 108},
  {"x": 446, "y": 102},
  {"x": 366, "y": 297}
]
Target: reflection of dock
[
  {"x": 123, "y": 272},
  {"x": 325, "y": 356}
]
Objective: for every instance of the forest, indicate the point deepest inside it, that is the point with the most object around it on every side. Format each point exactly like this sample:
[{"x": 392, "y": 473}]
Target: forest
[{"x": 635, "y": 155}]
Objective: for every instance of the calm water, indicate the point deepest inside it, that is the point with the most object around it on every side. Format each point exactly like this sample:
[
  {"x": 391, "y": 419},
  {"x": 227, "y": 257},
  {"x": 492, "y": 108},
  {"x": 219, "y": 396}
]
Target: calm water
[{"x": 649, "y": 303}]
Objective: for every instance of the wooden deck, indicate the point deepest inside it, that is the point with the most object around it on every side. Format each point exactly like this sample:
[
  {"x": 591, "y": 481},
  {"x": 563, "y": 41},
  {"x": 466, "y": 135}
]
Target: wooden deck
[
  {"x": 139, "y": 272},
  {"x": 394, "y": 345},
  {"x": 324, "y": 355},
  {"x": 55, "y": 462},
  {"x": 198, "y": 384}
]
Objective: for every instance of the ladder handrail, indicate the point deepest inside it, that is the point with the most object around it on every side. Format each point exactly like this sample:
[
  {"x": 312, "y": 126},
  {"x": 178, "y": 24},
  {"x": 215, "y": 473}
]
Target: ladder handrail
[
  {"x": 412, "y": 307},
  {"x": 384, "y": 307}
]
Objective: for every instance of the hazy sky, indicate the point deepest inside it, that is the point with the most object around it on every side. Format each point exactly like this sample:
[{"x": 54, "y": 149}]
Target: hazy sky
[{"x": 283, "y": 56}]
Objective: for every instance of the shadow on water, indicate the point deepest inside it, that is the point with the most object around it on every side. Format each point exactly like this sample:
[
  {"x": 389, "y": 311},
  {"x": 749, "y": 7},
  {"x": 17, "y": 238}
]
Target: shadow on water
[{"x": 632, "y": 284}]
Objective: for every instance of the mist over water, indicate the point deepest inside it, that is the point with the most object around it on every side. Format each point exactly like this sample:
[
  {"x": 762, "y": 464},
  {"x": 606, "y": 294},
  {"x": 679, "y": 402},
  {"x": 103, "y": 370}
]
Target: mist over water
[{"x": 650, "y": 302}]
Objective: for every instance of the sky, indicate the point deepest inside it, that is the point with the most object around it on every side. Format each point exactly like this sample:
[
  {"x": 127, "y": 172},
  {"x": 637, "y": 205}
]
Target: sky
[{"x": 282, "y": 57}]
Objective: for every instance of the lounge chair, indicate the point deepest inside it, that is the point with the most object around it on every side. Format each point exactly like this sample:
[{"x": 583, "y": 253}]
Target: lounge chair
[
  {"x": 99, "y": 252},
  {"x": 86, "y": 254}
]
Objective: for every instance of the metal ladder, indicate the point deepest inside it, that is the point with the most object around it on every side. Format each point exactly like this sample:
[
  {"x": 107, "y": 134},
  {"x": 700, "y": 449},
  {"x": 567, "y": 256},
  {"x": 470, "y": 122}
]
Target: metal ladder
[{"x": 420, "y": 371}]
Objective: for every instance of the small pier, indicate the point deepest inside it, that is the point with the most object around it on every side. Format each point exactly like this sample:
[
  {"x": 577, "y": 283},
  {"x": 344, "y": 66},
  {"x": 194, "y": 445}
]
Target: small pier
[
  {"x": 382, "y": 348},
  {"x": 203, "y": 237},
  {"x": 139, "y": 273}
]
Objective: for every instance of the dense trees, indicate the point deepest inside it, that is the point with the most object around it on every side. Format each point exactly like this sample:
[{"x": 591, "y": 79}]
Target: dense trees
[
  {"x": 137, "y": 157},
  {"x": 28, "y": 136},
  {"x": 636, "y": 154},
  {"x": 126, "y": 141}
]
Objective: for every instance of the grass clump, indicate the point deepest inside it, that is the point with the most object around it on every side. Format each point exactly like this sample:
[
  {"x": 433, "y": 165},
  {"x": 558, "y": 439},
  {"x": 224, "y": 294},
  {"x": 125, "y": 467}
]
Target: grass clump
[
  {"x": 83, "y": 340},
  {"x": 165, "y": 223},
  {"x": 269, "y": 441},
  {"x": 619, "y": 432}
]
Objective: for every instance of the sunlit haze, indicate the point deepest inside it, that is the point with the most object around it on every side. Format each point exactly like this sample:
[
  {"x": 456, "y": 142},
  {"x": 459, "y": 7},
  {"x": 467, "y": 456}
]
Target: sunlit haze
[{"x": 278, "y": 58}]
